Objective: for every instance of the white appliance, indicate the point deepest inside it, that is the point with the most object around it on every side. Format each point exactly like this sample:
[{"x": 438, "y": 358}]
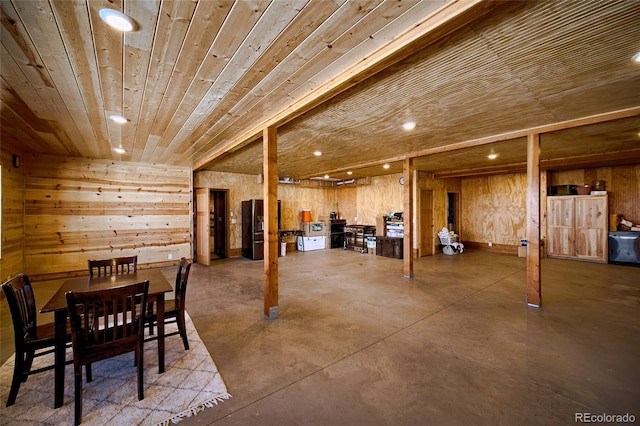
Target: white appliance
[{"x": 311, "y": 243}]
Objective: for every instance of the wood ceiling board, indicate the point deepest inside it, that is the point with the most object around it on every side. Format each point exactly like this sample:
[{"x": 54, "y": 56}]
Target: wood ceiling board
[
  {"x": 171, "y": 31},
  {"x": 512, "y": 66},
  {"x": 204, "y": 25},
  {"x": 195, "y": 105},
  {"x": 292, "y": 106}
]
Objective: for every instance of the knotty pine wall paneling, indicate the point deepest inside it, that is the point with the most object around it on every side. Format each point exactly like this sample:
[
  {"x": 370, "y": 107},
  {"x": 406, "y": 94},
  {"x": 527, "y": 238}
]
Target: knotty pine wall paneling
[
  {"x": 12, "y": 256},
  {"x": 78, "y": 209}
]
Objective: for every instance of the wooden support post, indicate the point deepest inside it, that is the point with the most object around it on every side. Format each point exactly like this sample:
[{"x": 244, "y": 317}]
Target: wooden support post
[
  {"x": 271, "y": 236},
  {"x": 534, "y": 285},
  {"x": 407, "y": 173}
]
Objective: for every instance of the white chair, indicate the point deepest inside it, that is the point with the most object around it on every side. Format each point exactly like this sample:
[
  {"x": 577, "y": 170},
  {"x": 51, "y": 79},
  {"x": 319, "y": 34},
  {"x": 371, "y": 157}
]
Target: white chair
[{"x": 449, "y": 244}]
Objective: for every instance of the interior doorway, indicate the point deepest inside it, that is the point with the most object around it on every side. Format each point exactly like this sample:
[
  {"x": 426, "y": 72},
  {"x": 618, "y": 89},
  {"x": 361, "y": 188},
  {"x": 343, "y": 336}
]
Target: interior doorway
[
  {"x": 425, "y": 226},
  {"x": 212, "y": 228},
  {"x": 218, "y": 226},
  {"x": 453, "y": 208}
]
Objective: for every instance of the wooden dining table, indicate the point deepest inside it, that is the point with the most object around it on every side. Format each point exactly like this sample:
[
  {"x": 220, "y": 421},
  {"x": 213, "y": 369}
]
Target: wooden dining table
[{"x": 158, "y": 286}]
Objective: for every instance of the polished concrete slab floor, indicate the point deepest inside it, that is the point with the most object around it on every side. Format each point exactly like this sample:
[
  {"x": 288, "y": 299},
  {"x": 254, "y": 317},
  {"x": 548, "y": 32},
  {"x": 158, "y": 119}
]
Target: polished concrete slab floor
[{"x": 356, "y": 343}]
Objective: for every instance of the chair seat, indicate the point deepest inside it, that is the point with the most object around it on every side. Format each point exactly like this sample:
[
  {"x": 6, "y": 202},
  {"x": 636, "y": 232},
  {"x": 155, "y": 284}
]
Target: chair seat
[{"x": 170, "y": 310}]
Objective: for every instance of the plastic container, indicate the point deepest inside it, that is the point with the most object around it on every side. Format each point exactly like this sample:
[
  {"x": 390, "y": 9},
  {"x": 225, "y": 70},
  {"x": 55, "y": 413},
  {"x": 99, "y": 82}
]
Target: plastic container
[{"x": 306, "y": 215}]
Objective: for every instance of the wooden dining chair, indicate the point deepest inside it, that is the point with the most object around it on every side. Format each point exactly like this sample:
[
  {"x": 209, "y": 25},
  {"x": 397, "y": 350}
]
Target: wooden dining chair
[
  {"x": 174, "y": 309},
  {"x": 106, "y": 323},
  {"x": 125, "y": 265},
  {"x": 31, "y": 340},
  {"x": 100, "y": 267}
]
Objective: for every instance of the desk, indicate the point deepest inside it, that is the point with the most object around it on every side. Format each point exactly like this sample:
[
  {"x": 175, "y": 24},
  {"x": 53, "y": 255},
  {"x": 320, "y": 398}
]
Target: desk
[
  {"x": 356, "y": 235},
  {"x": 158, "y": 286}
]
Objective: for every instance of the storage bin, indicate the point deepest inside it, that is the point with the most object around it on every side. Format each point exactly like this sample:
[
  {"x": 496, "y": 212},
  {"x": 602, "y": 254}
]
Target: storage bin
[{"x": 389, "y": 247}]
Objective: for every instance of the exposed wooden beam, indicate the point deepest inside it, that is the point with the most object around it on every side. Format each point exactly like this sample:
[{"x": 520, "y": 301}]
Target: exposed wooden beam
[
  {"x": 579, "y": 162},
  {"x": 534, "y": 285},
  {"x": 451, "y": 16},
  {"x": 545, "y": 128},
  {"x": 626, "y": 157},
  {"x": 270, "y": 191}
]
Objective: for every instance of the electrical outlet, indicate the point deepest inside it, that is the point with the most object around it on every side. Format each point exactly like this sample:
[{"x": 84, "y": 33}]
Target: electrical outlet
[{"x": 170, "y": 256}]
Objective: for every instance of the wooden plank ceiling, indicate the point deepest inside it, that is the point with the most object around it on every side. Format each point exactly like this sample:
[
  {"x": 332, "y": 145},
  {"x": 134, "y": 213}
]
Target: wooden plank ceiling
[{"x": 199, "y": 80}]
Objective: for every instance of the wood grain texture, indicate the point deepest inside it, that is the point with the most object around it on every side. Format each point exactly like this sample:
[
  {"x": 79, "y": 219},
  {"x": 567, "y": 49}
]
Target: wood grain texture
[
  {"x": 198, "y": 81},
  {"x": 77, "y": 209},
  {"x": 12, "y": 261}
]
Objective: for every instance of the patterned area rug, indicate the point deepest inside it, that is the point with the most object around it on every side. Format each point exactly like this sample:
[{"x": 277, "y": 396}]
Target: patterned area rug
[{"x": 190, "y": 384}]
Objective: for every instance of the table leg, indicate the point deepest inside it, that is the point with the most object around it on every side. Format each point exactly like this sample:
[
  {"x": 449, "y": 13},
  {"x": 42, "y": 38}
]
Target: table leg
[
  {"x": 160, "y": 316},
  {"x": 60, "y": 321}
]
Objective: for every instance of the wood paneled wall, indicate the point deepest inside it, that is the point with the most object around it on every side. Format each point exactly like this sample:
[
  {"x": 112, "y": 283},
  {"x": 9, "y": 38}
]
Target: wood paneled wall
[
  {"x": 78, "y": 209},
  {"x": 440, "y": 188},
  {"x": 12, "y": 260},
  {"x": 622, "y": 184},
  {"x": 494, "y": 209},
  {"x": 321, "y": 200}
]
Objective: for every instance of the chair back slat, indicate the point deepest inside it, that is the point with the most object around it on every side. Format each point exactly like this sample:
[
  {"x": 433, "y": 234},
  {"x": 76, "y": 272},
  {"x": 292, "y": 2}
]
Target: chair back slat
[
  {"x": 100, "y": 267},
  {"x": 105, "y": 322},
  {"x": 125, "y": 265},
  {"x": 182, "y": 278},
  {"x": 22, "y": 305}
]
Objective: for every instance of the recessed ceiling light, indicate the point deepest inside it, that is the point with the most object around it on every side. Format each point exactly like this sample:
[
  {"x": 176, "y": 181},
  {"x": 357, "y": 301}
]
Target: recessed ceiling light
[
  {"x": 492, "y": 156},
  {"x": 386, "y": 166},
  {"x": 317, "y": 153},
  {"x": 118, "y": 118},
  {"x": 409, "y": 125},
  {"x": 119, "y": 150},
  {"x": 636, "y": 57},
  {"x": 116, "y": 19}
]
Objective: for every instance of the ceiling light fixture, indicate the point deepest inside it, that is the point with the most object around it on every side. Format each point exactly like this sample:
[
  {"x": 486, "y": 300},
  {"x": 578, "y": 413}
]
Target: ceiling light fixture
[
  {"x": 636, "y": 57},
  {"x": 119, "y": 150},
  {"x": 326, "y": 176},
  {"x": 317, "y": 153},
  {"x": 386, "y": 166},
  {"x": 116, "y": 19},
  {"x": 349, "y": 172},
  {"x": 492, "y": 156},
  {"x": 118, "y": 118},
  {"x": 410, "y": 125}
]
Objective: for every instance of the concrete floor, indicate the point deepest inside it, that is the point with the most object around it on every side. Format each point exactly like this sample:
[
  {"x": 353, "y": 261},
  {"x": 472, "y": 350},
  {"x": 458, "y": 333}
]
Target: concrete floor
[{"x": 358, "y": 344}]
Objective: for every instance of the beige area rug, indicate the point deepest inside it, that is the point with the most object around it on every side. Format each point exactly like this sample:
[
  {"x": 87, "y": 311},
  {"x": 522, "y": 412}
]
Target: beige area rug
[{"x": 190, "y": 384}]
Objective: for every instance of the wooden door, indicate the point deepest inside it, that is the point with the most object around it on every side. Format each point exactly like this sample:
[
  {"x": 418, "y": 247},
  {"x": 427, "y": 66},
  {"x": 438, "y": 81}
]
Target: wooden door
[
  {"x": 425, "y": 243},
  {"x": 591, "y": 227},
  {"x": 203, "y": 255},
  {"x": 560, "y": 223}
]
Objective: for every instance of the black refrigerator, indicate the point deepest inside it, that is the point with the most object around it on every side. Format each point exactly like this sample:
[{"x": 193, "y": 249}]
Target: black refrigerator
[{"x": 253, "y": 228}]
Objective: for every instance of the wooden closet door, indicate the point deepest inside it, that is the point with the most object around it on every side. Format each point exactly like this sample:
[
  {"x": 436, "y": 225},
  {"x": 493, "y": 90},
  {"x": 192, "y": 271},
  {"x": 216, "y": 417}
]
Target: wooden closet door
[
  {"x": 560, "y": 222},
  {"x": 591, "y": 223}
]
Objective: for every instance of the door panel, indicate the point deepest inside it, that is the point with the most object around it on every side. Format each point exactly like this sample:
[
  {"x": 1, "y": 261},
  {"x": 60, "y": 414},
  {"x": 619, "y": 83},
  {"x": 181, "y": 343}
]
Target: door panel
[
  {"x": 203, "y": 255},
  {"x": 426, "y": 223}
]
